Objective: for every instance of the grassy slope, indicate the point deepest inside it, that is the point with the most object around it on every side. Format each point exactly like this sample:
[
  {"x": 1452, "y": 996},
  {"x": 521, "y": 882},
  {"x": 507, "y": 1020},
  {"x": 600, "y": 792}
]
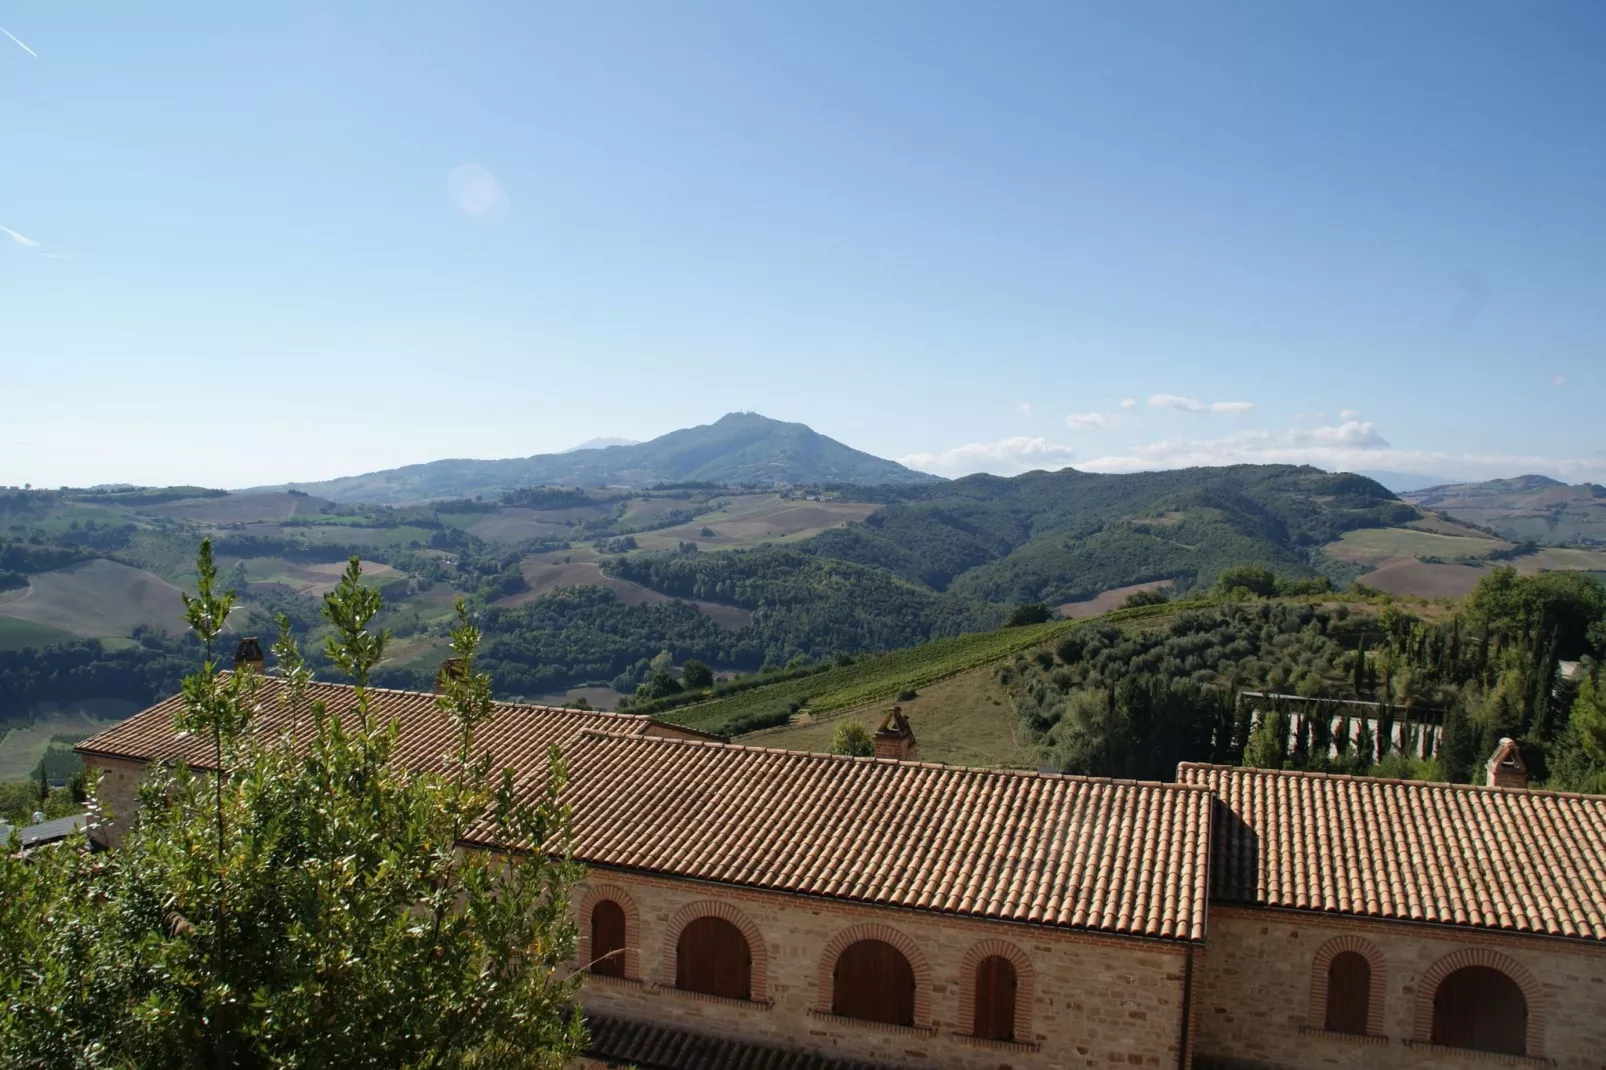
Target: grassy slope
[
  {"x": 97, "y": 598},
  {"x": 965, "y": 720},
  {"x": 16, "y": 634},
  {"x": 23, "y": 746},
  {"x": 878, "y": 677}
]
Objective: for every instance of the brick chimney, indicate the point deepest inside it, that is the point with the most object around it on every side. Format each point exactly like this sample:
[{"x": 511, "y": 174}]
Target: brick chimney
[
  {"x": 895, "y": 739},
  {"x": 451, "y": 667},
  {"x": 248, "y": 655},
  {"x": 1506, "y": 768}
]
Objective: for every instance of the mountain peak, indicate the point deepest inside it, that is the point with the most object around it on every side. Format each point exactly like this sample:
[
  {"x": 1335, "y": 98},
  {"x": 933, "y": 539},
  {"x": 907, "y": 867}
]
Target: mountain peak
[{"x": 738, "y": 448}]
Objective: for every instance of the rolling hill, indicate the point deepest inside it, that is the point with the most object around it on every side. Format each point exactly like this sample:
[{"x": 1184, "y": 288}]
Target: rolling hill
[
  {"x": 1068, "y": 535},
  {"x": 738, "y": 449},
  {"x": 1524, "y": 509}
]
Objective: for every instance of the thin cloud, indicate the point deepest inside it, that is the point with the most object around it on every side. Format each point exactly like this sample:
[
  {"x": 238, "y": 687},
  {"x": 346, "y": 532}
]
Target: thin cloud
[
  {"x": 1558, "y": 380},
  {"x": 1347, "y": 447},
  {"x": 1009, "y": 456},
  {"x": 20, "y": 239},
  {"x": 1083, "y": 421},
  {"x": 1026, "y": 409},
  {"x": 1182, "y": 404},
  {"x": 1349, "y": 433},
  {"x": 59, "y": 256},
  {"x": 20, "y": 45},
  {"x": 1349, "y": 414},
  {"x": 1129, "y": 403}
]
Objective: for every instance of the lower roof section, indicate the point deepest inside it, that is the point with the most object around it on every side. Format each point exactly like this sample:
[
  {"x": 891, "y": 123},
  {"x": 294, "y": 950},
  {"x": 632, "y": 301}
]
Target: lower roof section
[{"x": 648, "y": 1046}]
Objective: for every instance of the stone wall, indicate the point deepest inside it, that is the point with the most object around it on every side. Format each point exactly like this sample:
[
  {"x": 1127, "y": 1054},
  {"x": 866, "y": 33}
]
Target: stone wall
[
  {"x": 118, "y": 779},
  {"x": 1083, "y": 1001},
  {"x": 1259, "y": 993}
]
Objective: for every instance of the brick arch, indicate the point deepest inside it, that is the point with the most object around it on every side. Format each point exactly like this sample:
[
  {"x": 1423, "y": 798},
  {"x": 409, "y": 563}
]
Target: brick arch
[
  {"x": 1428, "y": 988},
  {"x": 758, "y": 978},
  {"x": 1025, "y": 986},
  {"x": 596, "y": 893},
  {"x": 886, "y": 934},
  {"x": 1325, "y": 955}
]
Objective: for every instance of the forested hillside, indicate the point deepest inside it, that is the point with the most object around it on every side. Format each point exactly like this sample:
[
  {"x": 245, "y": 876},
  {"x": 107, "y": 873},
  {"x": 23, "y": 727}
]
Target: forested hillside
[
  {"x": 585, "y": 588},
  {"x": 1062, "y": 536}
]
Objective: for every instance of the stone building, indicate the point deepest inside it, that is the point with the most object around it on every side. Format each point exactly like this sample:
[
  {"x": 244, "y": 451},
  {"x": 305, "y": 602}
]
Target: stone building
[{"x": 747, "y": 907}]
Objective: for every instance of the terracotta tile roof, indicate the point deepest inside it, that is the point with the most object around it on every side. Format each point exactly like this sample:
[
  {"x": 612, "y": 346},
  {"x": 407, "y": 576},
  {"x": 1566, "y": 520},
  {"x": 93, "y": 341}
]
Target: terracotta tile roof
[
  {"x": 1110, "y": 856},
  {"x": 647, "y": 1046},
  {"x": 1492, "y": 858},
  {"x": 517, "y": 735}
]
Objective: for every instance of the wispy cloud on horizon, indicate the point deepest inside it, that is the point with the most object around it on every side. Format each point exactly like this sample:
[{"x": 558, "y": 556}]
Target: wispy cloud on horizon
[
  {"x": 1082, "y": 421},
  {"x": 59, "y": 256},
  {"x": 1348, "y": 446},
  {"x": 20, "y": 45},
  {"x": 20, "y": 239},
  {"x": 1182, "y": 404},
  {"x": 1009, "y": 456}
]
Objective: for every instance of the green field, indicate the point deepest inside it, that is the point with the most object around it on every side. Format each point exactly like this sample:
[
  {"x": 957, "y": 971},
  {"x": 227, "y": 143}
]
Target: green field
[
  {"x": 871, "y": 678},
  {"x": 23, "y": 746},
  {"x": 96, "y": 598},
  {"x": 16, "y": 634},
  {"x": 966, "y": 720},
  {"x": 1373, "y": 546}
]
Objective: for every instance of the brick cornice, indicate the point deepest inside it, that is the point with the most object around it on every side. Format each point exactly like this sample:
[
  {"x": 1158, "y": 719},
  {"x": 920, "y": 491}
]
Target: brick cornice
[
  {"x": 1393, "y": 928},
  {"x": 890, "y": 915}
]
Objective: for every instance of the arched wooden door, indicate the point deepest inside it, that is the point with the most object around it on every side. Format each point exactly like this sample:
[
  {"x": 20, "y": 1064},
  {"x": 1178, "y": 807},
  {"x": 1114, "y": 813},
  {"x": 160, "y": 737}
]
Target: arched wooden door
[
  {"x": 1349, "y": 993},
  {"x": 1481, "y": 1008},
  {"x": 608, "y": 939},
  {"x": 873, "y": 981},
  {"x": 996, "y": 986},
  {"x": 712, "y": 957}
]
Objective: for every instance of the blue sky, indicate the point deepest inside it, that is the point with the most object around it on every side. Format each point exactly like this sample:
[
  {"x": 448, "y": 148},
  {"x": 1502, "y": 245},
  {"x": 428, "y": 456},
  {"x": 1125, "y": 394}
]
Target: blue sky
[{"x": 251, "y": 243}]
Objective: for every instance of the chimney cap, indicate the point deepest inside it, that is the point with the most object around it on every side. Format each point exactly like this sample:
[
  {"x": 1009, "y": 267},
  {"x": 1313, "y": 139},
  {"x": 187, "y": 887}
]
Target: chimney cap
[
  {"x": 895, "y": 723},
  {"x": 1506, "y": 767},
  {"x": 450, "y": 668},
  {"x": 249, "y": 652}
]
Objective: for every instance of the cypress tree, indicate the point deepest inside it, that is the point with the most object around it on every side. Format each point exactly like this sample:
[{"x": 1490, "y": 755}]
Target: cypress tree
[
  {"x": 1385, "y": 727},
  {"x": 1365, "y": 745},
  {"x": 1302, "y": 743},
  {"x": 1359, "y": 681},
  {"x": 1456, "y": 743},
  {"x": 1321, "y": 736}
]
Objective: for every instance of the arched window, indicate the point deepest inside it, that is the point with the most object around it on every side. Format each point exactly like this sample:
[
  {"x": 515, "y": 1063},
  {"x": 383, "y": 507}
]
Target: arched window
[
  {"x": 873, "y": 981},
  {"x": 712, "y": 957},
  {"x": 608, "y": 939},
  {"x": 995, "y": 999},
  {"x": 1349, "y": 992},
  {"x": 1481, "y": 1008}
]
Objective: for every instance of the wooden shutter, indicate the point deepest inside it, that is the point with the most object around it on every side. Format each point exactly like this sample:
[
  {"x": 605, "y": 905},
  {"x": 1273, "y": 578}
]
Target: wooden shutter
[
  {"x": 873, "y": 981},
  {"x": 1481, "y": 1008},
  {"x": 608, "y": 939},
  {"x": 995, "y": 999},
  {"x": 712, "y": 957},
  {"x": 1349, "y": 993}
]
